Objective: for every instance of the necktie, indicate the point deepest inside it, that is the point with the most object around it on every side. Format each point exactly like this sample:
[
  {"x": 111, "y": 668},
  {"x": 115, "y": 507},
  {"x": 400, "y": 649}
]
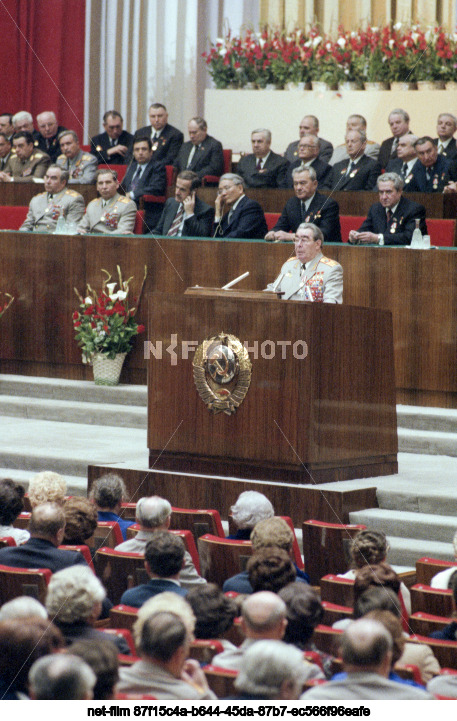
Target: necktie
[
  {"x": 349, "y": 169},
  {"x": 393, "y": 152},
  {"x": 191, "y": 155},
  {"x": 404, "y": 169},
  {"x": 303, "y": 210},
  {"x": 258, "y": 165},
  {"x": 174, "y": 227},
  {"x": 136, "y": 177},
  {"x": 440, "y": 148},
  {"x": 389, "y": 216}
]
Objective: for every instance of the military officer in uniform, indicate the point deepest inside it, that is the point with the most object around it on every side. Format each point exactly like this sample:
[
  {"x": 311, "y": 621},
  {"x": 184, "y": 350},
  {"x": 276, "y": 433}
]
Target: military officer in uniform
[
  {"x": 81, "y": 166},
  {"x": 45, "y": 209},
  {"x": 111, "y": 213},
  {"x": 27, "y": 163},
  {"x": 309, "y": 275}
]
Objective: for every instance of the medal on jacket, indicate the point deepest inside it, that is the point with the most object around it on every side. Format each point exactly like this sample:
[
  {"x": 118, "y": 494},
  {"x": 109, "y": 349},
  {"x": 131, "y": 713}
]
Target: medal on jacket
[{"x": 77, "y": 171}]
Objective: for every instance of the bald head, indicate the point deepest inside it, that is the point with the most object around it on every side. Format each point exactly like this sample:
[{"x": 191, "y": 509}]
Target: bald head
[
  {"x": 153, "y": 512},
  {"x": 366, "y": 645},
  {"x": 48, "y": 522},
  {"x": 264, "y": 616}
]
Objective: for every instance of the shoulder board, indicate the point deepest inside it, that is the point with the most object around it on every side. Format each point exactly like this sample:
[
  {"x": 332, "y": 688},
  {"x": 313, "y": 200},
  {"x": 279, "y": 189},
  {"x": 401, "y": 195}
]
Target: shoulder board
[
  {"x": 73, "y": 193},
  {"x": 328, "y": 261},
  {"x": 62, "y": 157},
  {"x": 39, "y": 195},
  {"x": 123, "y": 199},
  {"x": 37, "y": 154},
  {"x": 86, "y": 156}
]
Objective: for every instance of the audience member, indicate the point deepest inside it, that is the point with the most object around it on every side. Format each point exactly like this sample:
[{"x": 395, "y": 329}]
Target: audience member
[
  {"x": 309, "y": 275},
  {"x": 154, "y": 514},
  {"x": 392, "y": 623},
  {"x": 114, "y": 145},
  {"x": 308, "y": 152},
  {"x": 22, "y": 607},
  {"x": 430, "y": 173},
  {"x": 236, "y": 215},
  {"x": 308, "y": 206},
  {"x": 47, "y": 529},
  {"x": 263, "y": 168},
  {"x": 23, "y": 122},
  {"x": 186, "y": 214},
  {"x": 56, "y": 202},
  {"x": 26, "y": 163},
  {"x": 80, "y": 520},
  {"x": 355, "y": 122},
  {"x": 145, "y": 176},
  {"x": 101, "y": 656},
  {"x": 22, "y": 642},
  {"x": 449, "y": 632},
  {"x": 271, "y": 670},
  {"x": 391, "y": 221},
  {"x": 166, "y": 140},
  {"x": 11, "y": 505},
  {"x": 80, "y": 165},
  {"x": 202, "y": 153},
  {"x": 48, "y": 133},
  {"x": 270, "y": 569},
  {"x": 446, "y": 125},
  {"x": 5, "y": 151},
  {"x": 47, "y": 487},
  {"x": 6, "y": 126},
  {"x": 358, "y": 172},
  {"x": 399, "y": 125},
  {"x": 250, "y": 508},
  {"x": 381, "y": 574},
  {"x": 163, "y": 560},
  {"x": 406, "y": 158},
  {"x": 107, "y": 493},
  {"x": 366, "y": 650},
  {"x": 61, "y": 677},
  {"x": 309, "y": 125},
  {"x": 110, "y": 213},
  {"x": 214, "y": 612}
]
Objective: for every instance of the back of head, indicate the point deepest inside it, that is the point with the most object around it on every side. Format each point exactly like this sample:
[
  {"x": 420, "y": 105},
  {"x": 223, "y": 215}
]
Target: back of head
[
  {"x": 263, "y": 612},
  {"x": 165, "y": 554},
  {"x": 365, "y": 644},
  {"x": 102, "y": 658},
  {"x": 11, "y": 501},
  {"x": 22, "y": 607},
  {"x": 61, "y": 677},
  {"x": 368, "y": 548},
  {"x": 162, "y": 634},
  {"x": 47, "y": 487},
  {"x": 392, "y": 624},
  {"x": 272, "y": 532},
  {"x": 80, "y": 520},
  {"x": 72, "y": 594},
  {"x": 169, "y": 602},
  {"x": 270, "y": 569},
  {"x": 377, "y": 598},
  {"x": 304, "y": 612},
  {"x": 46, "y": 521},
  {"x": 250, "y": 508},
  {"x": 108, "y": 490},
  {"x": 380, "y": 574},
  {"x": 152, "y": 511},
  {"x": 214, "y": 611},
  {"x": 266, "y": 666}
]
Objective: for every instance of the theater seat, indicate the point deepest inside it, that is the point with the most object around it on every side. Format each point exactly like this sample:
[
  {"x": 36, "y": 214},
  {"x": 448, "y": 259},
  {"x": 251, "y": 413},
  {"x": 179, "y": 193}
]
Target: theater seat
[
  {"x": 139, "y": 224},
  {"x": 7, "y": 541},
  {"x": 222, "y": 558},
  {"x": 120, "y": 169},
  {"x": 214, "y": 179},
  {"x": 16, "y": 582},
  {"x": 272, "y": 219},
  {"x": 441, "y": 232},
  {"x": 12, "y": 216}
]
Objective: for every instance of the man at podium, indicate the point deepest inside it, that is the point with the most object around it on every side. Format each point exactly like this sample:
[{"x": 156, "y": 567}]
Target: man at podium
[{"x": 309, "y": 275}]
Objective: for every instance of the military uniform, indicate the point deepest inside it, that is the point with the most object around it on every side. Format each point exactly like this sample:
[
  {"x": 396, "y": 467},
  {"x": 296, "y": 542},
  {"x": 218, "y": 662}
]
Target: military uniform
[
  {"x": 82, "y": 167},
  {"x": 44, "y": 211},
  {"x": 321, "y": 282},
  {"x": 116, "y": 217},
  {"x": 25, "y": 171}
]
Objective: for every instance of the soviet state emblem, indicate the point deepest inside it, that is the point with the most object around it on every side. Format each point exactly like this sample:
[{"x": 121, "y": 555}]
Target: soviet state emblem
[{"x": 222, "y": 372}]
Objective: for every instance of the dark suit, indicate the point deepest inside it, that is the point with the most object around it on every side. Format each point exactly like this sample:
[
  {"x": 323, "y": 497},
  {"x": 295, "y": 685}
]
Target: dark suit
[
  {"x": 325, "y": 151},
  {"x": 199, "y": 225},
  {"x": 39, "y": 553},
  {"x": 153, "y": 180},
  {"x": 247, "y": 221},
  {"x": 323, "y": 212},
  {"x": 208, "y": 158},
  {"x": 400, "y": 229},
  {"x": 167, "y": 146},
  {"x": 322, "y": 169},
  {"x": 395, "y": 165},
  {"x": 362, "y": 177},
  {"x": 51, "y": 146},
  {"x": 140, "y": 594},
  {"x": 99, "y": 144},
  {"x": 272, "y": 175},
  {"x": 385, "y": 151},
  {"x": 439, "y": 177},
  {"x": 450, "y": 152}
]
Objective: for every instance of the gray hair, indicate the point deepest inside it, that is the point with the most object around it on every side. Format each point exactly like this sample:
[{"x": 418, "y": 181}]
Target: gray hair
[
  {"x": 410, "y": 137},
  {"x": 359, "y": 117},
  {"x": 394, "y": 178},
  {"x": 106, "y": 171},
  {"x": 47, "y": 112},
  {"x": 68, "y": 132},
  {"x": 199, "y": 121},
  {"x": 161, "y": 636},
  {"x": 22, "y": 607},
  {"x": 401, "y": 112},
  {"x": 64, "y": 175},
  {"x": 448, "y": 115},
  {"x": 313, "y": 138},
  {"x": 264, "y": 131},
  {"x": 61, "y": 677},
  {"x": 311, "y": 171},
  {"x": 250, "y": 508},
  {"x": 108, "y": 490},
  {"x": 236, "y": 179},
  {"x": 362, "y": 134},
  {"x": 365, "y": 643},
  {"x": 314, "y": 119},
  {"x": 152, "y": 511},
  {"x": 21, "y": 117},
  {"x": 47, "y": 487},
  {"x": 266, "y": 665},
  {"x": 73, "y": 593},
  {"x": 317, "y": 232}
]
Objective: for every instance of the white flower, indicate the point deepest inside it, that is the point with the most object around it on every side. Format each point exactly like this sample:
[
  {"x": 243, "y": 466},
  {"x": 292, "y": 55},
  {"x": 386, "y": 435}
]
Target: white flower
[
  {"x": 415, "y": 37},
  {"x": 88, "y": 300},
  {"x": 307, "y": 44},
  {"x": 353, "y": 34},
  {"x": 391, "y": 42},
  {"x": 111, "y": 287},
  {"x": 316, "y": 41},
  {"x": 397, "y": 26},
  {"x": 374, "y": 30},
  {"x": 328, "y": 46},
  {"x": 341, "y": 42},
  {"x": 121, "y": 295}
]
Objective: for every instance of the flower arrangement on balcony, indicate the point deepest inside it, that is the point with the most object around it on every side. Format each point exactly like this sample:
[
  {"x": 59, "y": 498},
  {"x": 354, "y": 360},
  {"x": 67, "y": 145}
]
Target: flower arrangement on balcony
[{"x": 5, "y": 301}]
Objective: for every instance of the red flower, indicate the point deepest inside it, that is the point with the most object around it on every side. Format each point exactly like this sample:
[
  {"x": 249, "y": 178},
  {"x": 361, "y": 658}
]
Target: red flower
[
  {"x": 140, "y": 329},
  {"x": 77, "y": 324},
  {"x": 75, "y": 315},
  {"x": 106, "y": 329}
]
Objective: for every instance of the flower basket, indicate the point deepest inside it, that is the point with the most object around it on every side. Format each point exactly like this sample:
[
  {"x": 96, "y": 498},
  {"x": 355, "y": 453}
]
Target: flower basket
[
  {"x": 107, "y": 371},
  {"x": 381, "y": 85},
  {"x": 350, "y": 85},
  {"x": 431, "y": 85},
  {"x": 394, "y": 85}
]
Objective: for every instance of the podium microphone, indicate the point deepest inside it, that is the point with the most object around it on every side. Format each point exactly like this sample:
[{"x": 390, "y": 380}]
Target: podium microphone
[{"x": 234, "y": 282}]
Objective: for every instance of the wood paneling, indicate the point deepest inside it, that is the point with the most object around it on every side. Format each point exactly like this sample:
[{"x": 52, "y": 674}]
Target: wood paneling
[{"x": 22, "y": 193}]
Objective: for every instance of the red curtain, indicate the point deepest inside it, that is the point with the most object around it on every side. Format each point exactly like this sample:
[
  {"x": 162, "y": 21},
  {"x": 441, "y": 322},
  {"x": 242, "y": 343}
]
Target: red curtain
[{"x": 43, "y": 58}]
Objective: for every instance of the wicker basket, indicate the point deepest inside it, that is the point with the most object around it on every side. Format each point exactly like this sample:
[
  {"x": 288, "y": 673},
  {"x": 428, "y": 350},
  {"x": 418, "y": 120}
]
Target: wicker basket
[{"x": 107, "y": 371}]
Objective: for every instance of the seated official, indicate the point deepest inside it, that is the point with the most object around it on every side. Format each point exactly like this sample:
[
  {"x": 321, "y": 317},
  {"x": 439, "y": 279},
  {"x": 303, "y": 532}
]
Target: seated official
[
  {"x": 431, "y": 173},
  {"x": 310, "y": 275},
  {"x": 446, "y": 126},
  {"x": 6, "y": 126},
  {"x": 236, "y": 215},
  {"x": 355, "y": 122},
  {"x": 399, "y": 124},
  {"x": 308, "y": 206},
  {"x": 391, "y": 221},
  {"x": 262, "y": 168},
  {"x": 49, "y": 131},
  {"x": 406, "y": 159},
  {"x": 185, "y": 214},
  {"x": 5, "y": 150},
  {"x": 309, "y": 125},
  {"x": 145, "y": 176},
  {"x": 166, "y": 139},
  {"x": 201, "y": 153},
  {"x": 110, "y": 213},
  {"x": 26, "y": 163},
  {"x": 114, "y": 145},
  {"x": 58, "y": 201},
  {"x": 81, "y": 166},
  {"x": 358, "y": 172},
  {"x": 308, "y": 157}
]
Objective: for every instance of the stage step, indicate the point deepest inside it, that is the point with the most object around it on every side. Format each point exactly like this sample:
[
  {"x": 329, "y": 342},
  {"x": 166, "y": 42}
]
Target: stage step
[
  {"x": 427, "y": 419},
  {"x": 419, "y": 526},
  {"x": 68, "y": 390},
  {"x": 408, "y": 550}
]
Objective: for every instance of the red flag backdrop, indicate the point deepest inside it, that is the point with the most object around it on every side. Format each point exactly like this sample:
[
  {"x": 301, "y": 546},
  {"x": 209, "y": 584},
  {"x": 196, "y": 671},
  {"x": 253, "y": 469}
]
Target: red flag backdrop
[{"x": 43, "y": 58}]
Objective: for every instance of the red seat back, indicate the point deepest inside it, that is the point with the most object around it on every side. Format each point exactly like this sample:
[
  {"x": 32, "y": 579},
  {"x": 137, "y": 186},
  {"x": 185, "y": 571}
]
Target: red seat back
[
  {"x": 16, "y": 582},
  {"x": 441, "y": 232},
  {"x": 12, "y": 216},
  {"x": 7, "y": 541},
  {"x": 272, "y": 219},
  {"x": 139, "y": 223},
  {"x": 120, "y": 169}
]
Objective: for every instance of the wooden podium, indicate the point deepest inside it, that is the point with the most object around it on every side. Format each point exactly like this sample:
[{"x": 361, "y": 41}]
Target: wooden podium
[{"x": 321, "y": 401}]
